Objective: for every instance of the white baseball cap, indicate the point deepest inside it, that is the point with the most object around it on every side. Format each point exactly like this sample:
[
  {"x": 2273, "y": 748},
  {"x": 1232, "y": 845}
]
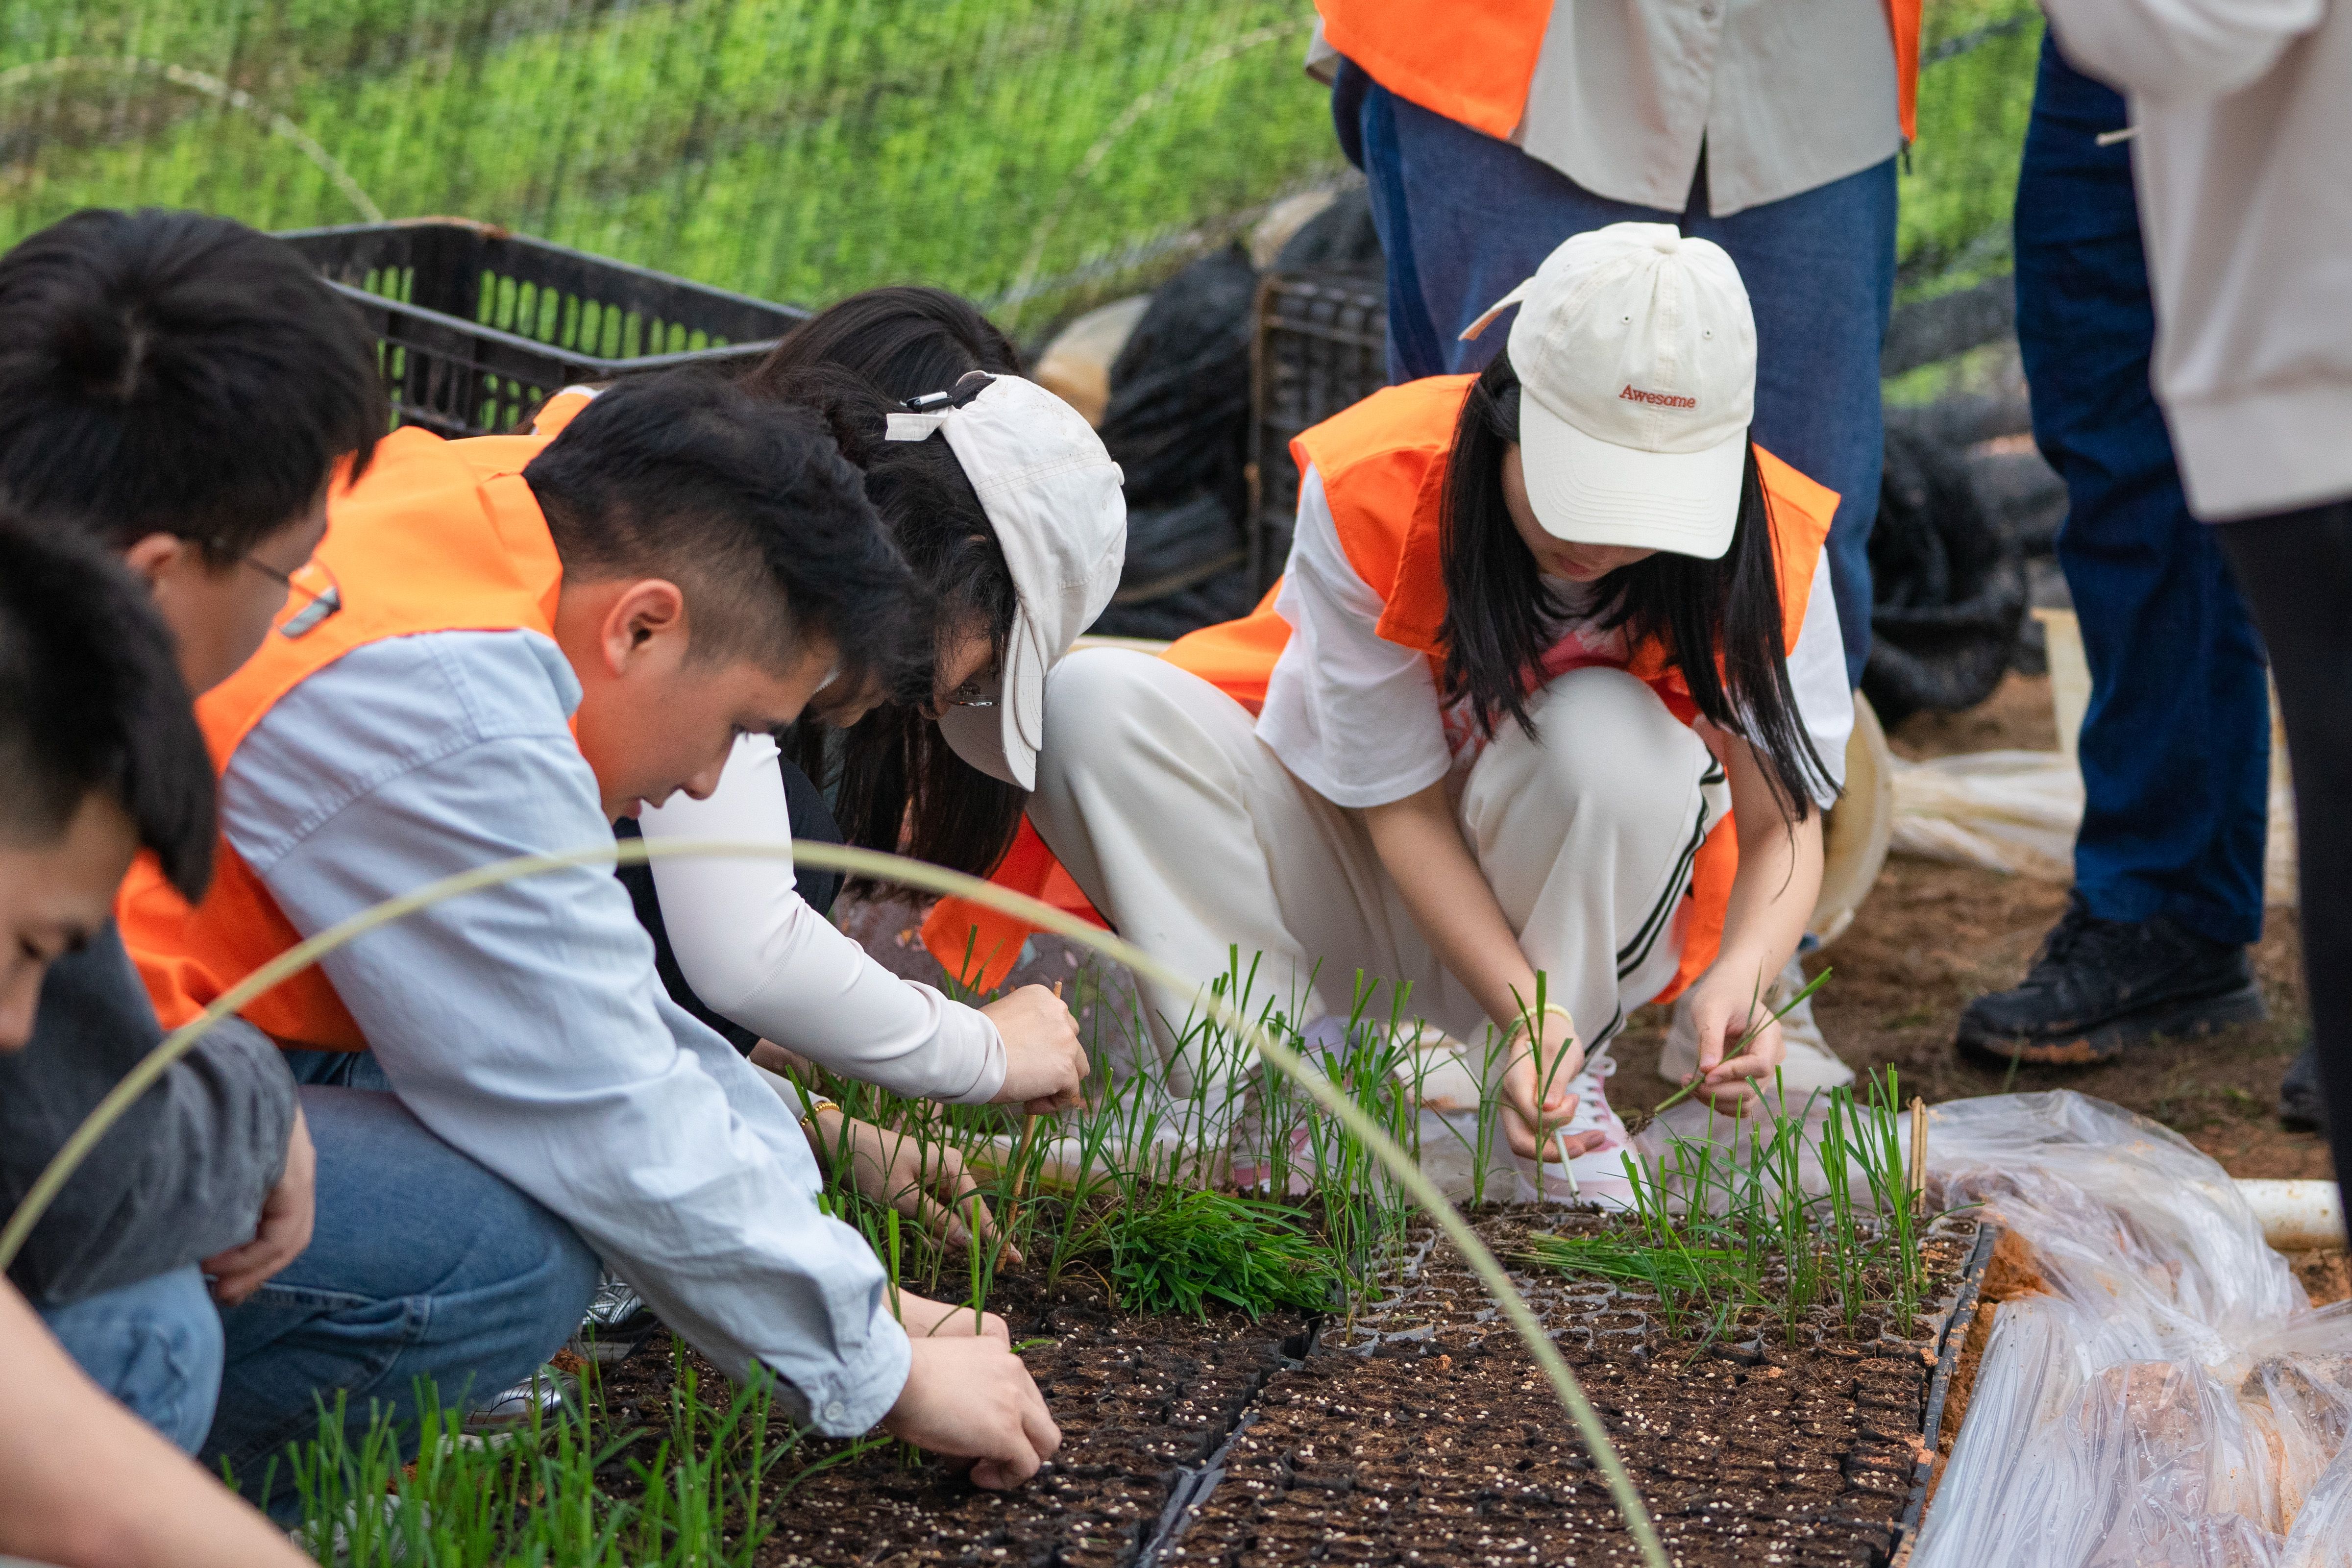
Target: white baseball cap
[
  {"x": 1053, "y": 495},
  {"x": 1636, "y": 353}
]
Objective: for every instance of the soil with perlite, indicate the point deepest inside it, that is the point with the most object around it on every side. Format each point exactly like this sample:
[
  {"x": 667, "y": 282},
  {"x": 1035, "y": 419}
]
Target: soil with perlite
[{"x": 1417, "y": 1432}]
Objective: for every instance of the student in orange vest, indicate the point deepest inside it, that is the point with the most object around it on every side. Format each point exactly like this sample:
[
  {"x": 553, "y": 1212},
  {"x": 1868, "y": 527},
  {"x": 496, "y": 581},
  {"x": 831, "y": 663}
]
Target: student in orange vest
[
  {"x": 1551, "y": 694},
  {"x": 531, "y": 637},
  {"x": 1008, "y": 509},
  {"x": 935, "y": 769},
  {"x": 1489, "y": 131},
  {"x": 98, "y": 758},
  {"x": 176, "y": 389}
]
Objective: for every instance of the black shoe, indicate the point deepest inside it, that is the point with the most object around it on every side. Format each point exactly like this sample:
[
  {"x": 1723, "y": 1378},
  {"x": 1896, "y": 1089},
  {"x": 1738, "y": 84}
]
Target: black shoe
[
  {"x": 2099, "y": 985},
  {"x": 2302, "y": 1108}
]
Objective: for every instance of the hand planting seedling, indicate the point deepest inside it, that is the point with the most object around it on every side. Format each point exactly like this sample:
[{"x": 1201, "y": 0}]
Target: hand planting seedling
[{"x": 1637, "y": 1122}]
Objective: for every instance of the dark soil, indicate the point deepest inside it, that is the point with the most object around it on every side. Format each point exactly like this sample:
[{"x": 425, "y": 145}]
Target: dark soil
[
  {"x": 1135, "y": 1397},
  {"x": 1424, "y": 1434}
]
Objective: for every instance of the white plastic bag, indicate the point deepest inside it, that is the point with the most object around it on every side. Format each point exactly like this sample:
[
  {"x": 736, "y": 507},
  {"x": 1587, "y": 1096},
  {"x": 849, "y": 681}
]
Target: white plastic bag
[
  {"x": 2174, "y": 1399},
  {"x": 2005, "y": 811}
]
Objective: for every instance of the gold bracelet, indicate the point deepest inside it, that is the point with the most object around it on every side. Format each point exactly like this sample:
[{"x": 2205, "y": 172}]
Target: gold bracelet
[
  {"x": 812, "y": 1109},
  {"x": 1521, "y": 1027}
]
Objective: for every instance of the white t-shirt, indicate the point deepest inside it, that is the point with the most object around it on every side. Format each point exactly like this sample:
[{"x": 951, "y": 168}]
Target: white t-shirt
[{"x": 1359, "y": 720}]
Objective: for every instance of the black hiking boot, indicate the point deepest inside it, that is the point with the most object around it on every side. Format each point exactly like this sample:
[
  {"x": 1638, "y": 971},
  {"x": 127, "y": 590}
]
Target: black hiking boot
[
  {"x": 2302, "y": 1108},
  {"x": 2099, "y": 985}
]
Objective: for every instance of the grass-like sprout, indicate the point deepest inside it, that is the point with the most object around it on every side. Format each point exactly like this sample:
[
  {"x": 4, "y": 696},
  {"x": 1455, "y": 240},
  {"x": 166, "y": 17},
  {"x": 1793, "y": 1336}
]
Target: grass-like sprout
[
  {"x": 1724, "y": 1234},
  {"x": 1187, "y": 1248},
  {"x": 1641, "y": 1120}
]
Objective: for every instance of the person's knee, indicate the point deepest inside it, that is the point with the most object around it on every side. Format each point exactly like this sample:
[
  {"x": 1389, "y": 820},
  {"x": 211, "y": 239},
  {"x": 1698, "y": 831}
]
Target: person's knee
[
  {"x": 155, "y": 1345},
  {"x": 1610, "y": 746},
  {"x": 1101, "y": 705}
]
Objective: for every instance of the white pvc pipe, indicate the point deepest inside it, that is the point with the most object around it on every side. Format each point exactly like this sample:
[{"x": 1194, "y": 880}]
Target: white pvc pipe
[{"x": 2296, "y": 1215}]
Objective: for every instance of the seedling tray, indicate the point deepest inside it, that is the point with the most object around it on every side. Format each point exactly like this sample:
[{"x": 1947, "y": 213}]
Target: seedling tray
[
  {"x": 1423, "y": 1434},
  {"x": 1419, "y": 1432}
]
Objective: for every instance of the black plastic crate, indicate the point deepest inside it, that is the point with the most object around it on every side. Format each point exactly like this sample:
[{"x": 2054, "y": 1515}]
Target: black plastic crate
[
  {"x": 475, "y": 326},
  {"x": 1322, "y": 344}
]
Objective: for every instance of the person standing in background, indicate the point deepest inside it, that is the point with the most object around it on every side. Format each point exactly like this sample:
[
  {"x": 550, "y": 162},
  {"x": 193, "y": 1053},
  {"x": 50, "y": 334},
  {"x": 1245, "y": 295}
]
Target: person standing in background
[
  {"x": 2176, "y": 744},
  {"x": 1492, "y": 134},
  {"x": 2242, "y": 117}
]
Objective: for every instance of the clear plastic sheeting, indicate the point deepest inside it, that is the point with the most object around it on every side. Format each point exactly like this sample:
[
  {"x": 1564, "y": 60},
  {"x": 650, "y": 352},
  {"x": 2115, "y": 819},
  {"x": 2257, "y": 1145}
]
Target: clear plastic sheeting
[
  {"x": 2174, "y": 1399},
  {"x": 2005, "y": 811}
]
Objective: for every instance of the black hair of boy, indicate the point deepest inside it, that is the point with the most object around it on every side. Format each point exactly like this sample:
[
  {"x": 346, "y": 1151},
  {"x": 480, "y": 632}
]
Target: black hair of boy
[
  {"x": 174, "y": 373},
  {"x": 748, "y": 506},
  {"x": 92, "y": 701}
]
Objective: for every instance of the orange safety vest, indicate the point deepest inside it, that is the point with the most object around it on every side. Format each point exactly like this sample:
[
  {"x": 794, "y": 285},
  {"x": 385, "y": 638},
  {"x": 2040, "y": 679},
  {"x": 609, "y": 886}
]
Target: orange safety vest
[
  {"x": 1479, "y": 71},
  {"x": 1383, "y": 463},
  {"x": 436, "y": 536}
]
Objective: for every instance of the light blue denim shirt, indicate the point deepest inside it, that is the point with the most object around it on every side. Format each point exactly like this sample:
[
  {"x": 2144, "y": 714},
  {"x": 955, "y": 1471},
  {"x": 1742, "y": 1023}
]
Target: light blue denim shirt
[{"x": 525, "y": 1025}]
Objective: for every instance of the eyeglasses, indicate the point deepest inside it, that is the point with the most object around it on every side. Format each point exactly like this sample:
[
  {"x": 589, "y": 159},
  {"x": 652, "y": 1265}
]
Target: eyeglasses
[
  {"x": 320, "y": 603},
  {"x": 971, "y": 694}
]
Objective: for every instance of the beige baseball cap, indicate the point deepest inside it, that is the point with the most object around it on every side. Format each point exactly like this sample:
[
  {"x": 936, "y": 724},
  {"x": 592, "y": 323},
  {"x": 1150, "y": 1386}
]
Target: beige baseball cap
[
  {"x": 1636, "y": 353},
  {"x": 1051, "y": 493}
]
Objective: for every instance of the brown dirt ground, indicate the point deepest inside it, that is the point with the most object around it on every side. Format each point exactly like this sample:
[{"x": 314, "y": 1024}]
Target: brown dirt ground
[{"x": 1931, "y": 936}]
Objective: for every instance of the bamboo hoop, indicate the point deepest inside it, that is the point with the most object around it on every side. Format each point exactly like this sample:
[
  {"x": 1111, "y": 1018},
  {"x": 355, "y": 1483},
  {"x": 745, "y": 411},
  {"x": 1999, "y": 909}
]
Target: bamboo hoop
[{"x": 868, "y": 863}]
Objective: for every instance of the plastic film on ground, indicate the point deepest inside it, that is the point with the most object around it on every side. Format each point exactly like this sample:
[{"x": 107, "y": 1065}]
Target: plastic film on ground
[{"x": 2173, "y": 1399}]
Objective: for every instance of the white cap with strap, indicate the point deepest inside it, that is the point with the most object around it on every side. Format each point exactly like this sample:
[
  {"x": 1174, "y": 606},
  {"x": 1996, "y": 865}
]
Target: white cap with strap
[{"x": 1051, "y": 493}]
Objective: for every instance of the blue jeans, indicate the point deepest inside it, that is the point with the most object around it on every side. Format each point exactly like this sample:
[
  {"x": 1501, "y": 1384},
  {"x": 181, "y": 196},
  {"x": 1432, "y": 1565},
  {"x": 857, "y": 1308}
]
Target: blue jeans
[
  {"x": 2176, "y": 743},
  {"x": 155, "y": 1346},
  {"x": 1465, "y": 219},
  {"x": 422, "y": 1264}
]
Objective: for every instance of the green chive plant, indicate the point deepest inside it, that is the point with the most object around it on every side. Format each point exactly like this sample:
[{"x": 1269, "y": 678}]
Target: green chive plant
[
  {"x": 1722, "y": 1233},
  {"x": 567, "y": 1489}
]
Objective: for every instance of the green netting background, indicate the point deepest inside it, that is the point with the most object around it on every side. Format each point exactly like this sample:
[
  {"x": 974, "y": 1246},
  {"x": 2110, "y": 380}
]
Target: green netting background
[{"x": 1035, "y": 154}]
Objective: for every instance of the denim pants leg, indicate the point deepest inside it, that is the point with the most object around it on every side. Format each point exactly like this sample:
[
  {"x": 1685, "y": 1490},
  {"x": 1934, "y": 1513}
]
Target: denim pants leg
[
  {"x": 422, "y": 1264},
  {"x": 2176, "y": 744},
  {"x": 155, "y": 1345},
  {"x": 1465, "y": 219}
]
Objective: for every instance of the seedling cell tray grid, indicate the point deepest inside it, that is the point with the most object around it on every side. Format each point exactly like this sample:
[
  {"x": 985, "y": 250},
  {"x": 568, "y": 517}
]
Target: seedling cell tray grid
[
  {"x": 1417, "y": 1433},
  {"x": 475, "y": 325}
]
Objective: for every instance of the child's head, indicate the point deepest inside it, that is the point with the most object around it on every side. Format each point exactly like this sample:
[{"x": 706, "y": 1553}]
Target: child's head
[
  {"x": 180, "y": 388},
  {"x": 99, "y": 755}
]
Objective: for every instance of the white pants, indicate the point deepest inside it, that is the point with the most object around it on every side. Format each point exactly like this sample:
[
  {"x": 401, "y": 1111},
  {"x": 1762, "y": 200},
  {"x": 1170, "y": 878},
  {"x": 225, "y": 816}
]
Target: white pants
[{"x": 1194, "y": 841}]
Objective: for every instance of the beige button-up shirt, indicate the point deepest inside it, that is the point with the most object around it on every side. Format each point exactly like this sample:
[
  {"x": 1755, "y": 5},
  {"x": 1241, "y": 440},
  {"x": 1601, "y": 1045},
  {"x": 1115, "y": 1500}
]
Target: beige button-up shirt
[{"x": 1785, "y": 96}]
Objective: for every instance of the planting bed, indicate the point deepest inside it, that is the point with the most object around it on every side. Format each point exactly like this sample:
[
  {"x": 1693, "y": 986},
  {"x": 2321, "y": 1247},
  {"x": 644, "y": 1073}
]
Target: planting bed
[
  {"x": 1424, "y": 1434},
  {"x": 1417, "y": 1433},
  {"x": 1139, "y": 1400}
]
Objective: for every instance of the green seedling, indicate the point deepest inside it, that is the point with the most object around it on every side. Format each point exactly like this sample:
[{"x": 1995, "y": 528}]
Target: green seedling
[
  {"x": 1640, "y": 1120},
  {"x": 1188, "y": 1249}
]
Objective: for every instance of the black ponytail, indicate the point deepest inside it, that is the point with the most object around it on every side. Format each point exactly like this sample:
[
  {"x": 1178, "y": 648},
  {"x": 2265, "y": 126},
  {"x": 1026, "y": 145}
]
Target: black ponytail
[{"x": 1720, "y": 620}]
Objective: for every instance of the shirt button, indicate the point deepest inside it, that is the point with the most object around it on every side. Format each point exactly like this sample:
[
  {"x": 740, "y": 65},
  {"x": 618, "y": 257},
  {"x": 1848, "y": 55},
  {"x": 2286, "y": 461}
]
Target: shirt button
[{"x": 835, "y": 1412}]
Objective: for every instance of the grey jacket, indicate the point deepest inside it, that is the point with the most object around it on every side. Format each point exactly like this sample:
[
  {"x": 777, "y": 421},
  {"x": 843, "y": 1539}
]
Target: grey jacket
[{"x": 181, "y": 1177}]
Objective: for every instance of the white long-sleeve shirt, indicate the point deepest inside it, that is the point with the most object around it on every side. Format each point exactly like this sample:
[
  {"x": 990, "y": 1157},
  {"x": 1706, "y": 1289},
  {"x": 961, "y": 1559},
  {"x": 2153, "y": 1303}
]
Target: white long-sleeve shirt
[
  {"x": 2243, "y": 165},
  {"x": 525, "y": 1025},
  {"x": 754, "y": 951}
]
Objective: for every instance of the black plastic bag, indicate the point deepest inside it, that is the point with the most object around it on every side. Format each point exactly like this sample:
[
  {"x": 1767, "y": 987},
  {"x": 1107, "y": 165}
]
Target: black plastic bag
[
  {"x": 1180, "y": 391},
  {"x": 1948, "y": 585}
]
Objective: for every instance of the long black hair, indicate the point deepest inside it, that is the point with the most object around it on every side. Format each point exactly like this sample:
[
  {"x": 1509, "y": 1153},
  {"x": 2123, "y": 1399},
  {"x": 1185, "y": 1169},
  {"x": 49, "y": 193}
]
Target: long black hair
[
  {"x": 898, "y": 784},
  {"x": 1719, "y": 620}
]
